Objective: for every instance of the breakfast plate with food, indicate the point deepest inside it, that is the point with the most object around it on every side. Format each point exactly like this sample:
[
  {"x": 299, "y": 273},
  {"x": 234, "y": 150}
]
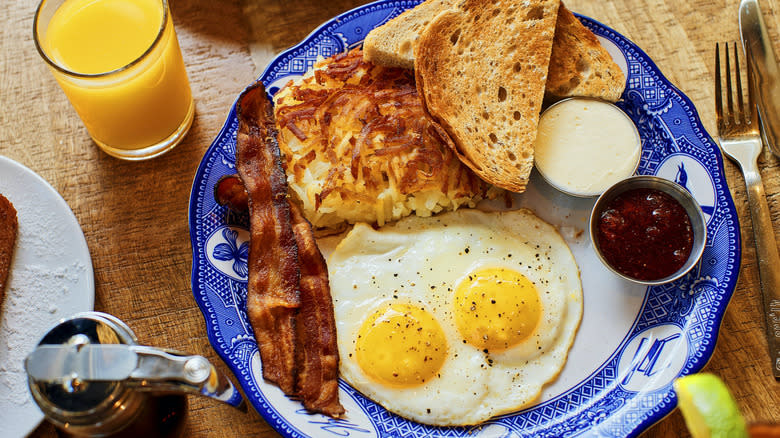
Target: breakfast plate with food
[
  {"x": 386, "y": 241},
  {"x": 49, "y": 277}
]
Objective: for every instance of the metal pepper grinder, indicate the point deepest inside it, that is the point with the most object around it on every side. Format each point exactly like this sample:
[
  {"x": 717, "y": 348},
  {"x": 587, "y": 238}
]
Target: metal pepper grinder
[{"x": 90, "y": 378}]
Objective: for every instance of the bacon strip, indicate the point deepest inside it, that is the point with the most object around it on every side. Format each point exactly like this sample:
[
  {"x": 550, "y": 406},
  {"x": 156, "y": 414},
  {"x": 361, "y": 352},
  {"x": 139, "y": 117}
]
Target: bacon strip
[
  {"x": 273, "y": 298},
  {"x": 9, "y": 226},
  {"x": 318, "y": 354},
  {"x": 288, "y": 302}
]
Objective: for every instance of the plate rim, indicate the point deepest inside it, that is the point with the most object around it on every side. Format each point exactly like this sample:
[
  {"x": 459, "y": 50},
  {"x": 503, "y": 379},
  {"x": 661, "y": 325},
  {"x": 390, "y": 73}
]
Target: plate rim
[
  {"x": 89, "y": 273},
  {"x": 64, "y": 204}
]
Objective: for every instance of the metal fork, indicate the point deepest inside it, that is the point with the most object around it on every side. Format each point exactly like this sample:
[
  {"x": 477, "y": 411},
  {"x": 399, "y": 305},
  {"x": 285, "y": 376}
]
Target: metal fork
[{"x": 740, "y": 140}]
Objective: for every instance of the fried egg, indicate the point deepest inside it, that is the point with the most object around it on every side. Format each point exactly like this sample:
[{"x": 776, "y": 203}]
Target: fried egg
[{"x": 457, "y": 318}]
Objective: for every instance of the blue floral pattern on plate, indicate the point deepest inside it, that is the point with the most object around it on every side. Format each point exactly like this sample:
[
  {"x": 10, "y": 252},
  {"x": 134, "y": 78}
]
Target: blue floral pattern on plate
[
  {"x": 230, "y": 251},
  {"x": 673, "y": 332}
]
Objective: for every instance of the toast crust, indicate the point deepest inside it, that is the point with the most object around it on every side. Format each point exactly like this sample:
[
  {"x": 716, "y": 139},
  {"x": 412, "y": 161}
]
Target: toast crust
[{"x": 481, "y": 72}]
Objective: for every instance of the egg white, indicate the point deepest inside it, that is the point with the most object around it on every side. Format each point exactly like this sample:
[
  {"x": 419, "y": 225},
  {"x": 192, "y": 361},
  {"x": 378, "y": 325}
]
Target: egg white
[{"x": 421, "y": 261}]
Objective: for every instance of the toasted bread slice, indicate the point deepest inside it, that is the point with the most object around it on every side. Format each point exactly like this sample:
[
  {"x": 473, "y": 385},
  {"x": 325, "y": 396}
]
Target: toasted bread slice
[
  {"x": 481, "y": 71},
  {"x": 392, "y": 44},
  {"x": 580, "y": 65},
  {"x": 9, "y": 226}
]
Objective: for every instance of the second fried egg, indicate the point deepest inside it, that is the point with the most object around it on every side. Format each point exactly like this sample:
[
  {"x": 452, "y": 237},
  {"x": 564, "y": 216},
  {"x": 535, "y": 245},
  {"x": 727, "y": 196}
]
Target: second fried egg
[{"x": 471, "y": 306}]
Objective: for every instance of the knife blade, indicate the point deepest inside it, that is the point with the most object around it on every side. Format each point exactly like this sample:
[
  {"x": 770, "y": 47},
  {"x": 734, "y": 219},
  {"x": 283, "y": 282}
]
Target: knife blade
[{"x": 766, "y": 74}]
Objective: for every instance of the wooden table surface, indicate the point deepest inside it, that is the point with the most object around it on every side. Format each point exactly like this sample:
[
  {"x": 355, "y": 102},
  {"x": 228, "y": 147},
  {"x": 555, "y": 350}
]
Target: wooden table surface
[{"x": 134, "y": 215}]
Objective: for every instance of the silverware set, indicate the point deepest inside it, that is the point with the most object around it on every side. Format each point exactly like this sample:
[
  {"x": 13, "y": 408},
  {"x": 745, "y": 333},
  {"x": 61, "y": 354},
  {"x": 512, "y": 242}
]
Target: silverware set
[{"x": 742, "y": 134}]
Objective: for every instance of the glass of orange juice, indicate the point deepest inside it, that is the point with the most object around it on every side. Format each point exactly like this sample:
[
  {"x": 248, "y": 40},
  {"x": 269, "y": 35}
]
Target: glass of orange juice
[{"x": 120, "y": 65}]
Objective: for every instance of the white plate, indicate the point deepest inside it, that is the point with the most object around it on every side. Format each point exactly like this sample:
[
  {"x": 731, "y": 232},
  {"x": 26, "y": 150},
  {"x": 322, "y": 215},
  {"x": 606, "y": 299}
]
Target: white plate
[
  {"x": 51, "y": 278},
  {"x": 633, "y": 341}
]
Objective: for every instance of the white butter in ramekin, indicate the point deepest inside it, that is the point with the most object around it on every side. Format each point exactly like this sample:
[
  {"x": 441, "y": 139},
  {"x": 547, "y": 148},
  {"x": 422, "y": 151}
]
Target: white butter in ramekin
[{"x": 584, "y": 145}]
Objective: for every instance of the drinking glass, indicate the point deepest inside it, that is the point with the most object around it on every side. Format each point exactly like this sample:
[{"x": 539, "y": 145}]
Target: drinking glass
[{"x": 120, "y": 65}]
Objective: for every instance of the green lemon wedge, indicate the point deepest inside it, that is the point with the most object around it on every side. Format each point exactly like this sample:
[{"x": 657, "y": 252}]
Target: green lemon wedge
[{"x": 708, "y": 407}]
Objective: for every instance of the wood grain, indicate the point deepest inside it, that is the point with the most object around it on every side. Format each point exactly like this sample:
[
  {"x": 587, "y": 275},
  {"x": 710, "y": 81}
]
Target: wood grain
[{"x": 134, "y": 215}]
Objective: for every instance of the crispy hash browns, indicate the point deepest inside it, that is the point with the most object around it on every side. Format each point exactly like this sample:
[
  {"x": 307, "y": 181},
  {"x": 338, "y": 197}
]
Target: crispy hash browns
[{"x": 358, "y": 147}]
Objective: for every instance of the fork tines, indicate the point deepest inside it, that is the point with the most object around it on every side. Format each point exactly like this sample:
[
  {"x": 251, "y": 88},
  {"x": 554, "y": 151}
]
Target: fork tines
[{"x": 741, "y": 114}]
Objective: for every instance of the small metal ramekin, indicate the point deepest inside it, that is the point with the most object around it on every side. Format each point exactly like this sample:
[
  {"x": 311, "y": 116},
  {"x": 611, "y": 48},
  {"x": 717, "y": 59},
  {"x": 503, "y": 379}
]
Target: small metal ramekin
[
  {"x": 672, "y": 189},
  {"x": 638, "y": 144}
]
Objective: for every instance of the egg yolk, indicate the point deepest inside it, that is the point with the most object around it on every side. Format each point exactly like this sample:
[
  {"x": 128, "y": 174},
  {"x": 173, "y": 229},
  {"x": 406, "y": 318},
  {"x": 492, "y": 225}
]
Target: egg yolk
[
  {"x": 401, "y": 345},
  {"x": 496, "y": 308}
]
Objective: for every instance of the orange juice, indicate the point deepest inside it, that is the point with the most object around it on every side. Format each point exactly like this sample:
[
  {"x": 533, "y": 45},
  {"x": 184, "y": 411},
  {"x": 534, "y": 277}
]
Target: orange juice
[{"x": 120, "y": 65}]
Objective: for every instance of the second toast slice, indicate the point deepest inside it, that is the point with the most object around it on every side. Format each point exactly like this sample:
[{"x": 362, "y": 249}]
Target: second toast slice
[{"x": 580, "y": 65}]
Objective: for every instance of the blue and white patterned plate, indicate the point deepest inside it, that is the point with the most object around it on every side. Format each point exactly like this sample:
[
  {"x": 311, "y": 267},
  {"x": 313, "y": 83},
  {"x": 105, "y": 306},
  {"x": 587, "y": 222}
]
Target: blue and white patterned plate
[{"x": 632, "y": 342}]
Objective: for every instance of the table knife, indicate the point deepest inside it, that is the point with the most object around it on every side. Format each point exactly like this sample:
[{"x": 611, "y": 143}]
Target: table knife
[{"x": 765, "y": 71}]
